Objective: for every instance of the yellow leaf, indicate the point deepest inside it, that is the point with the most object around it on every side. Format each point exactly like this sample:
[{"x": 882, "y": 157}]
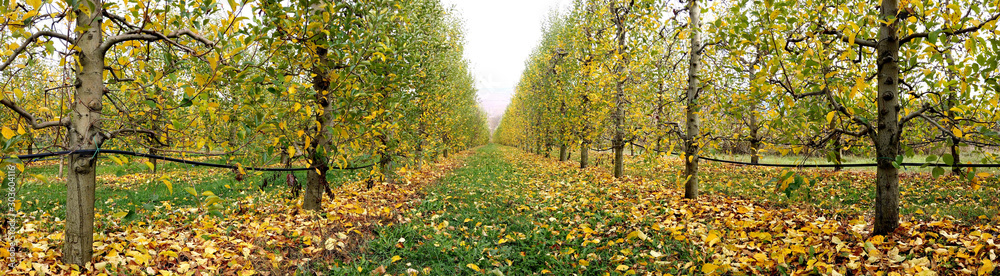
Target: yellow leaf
[
  {"x": 637, "y": 234},
  {"x": 207, "y": 193},
  {"x": 622, "y": 268},
  {"x": 712, "y": 238},
  {"x": 473, "y": 267},
  {"x": 830, "y": 116},
  {"x": 7, "y": 133},
  {"x": 396, "y": 258},
  {"x": 120, "y": 215},
  {"x": 957, "y": 132},
  {"x": 35, "y": 3},
  {"x": 150, "y": 165},
  {"x": 20, "y": 130},
  {"x": 170, "y": 186},
  {"x": 708, "y": 268},
  {"x": 291, "y": 150},
  {"x": 191, "y": 191},
  {"x": 987, "y": 267},
  {"x": 116, "y": 159}
]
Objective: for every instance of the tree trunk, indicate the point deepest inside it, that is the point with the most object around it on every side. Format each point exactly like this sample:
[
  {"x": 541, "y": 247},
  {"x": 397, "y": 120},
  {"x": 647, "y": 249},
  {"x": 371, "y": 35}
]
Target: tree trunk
[
  {"x": 838, "y": 157},
  {"x": 618, "y": 141},
  {"x": 316, "y": 184},
  {"x": 83, "y": 134},
  {"x": 420, "y": 145},
  {"x": 62, "y": 162},
  {"x": 754, "y": 127},
  {"x": 562, "y": 152},
  {"x": 691, "y": 141},
  {"x": 956, "y": 157},
  {"x": 584, "y": 149},
  {"x": 887, "y": 137},
  {"x": 385, "y": 162}
]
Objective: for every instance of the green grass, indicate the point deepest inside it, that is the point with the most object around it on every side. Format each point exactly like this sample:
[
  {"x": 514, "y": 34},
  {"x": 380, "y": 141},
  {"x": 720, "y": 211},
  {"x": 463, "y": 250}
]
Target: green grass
[
  {"x": 132, "y": 186},
  {"x": 460, "y": 222},
  {"x": 492, "y": 214}
]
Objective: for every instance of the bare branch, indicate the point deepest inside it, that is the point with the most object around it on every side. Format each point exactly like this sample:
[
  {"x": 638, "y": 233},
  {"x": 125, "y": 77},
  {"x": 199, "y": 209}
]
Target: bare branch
[
  {"x": 914, "y": 114},
  {"x": 858, "y": 41},
  {"x": 148, "y": 35},
  {"x": 938, "y": 126},
  {"x": 31, "y": 119},
  {"x": 30, "y": 40},
  {"x": 949, "y": 33},
  {"x": 129, "y": 131}
]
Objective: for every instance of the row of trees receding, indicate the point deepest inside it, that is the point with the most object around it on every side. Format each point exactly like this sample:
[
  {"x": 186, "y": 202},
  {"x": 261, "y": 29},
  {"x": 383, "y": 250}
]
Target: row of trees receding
[
  {"x": 254, "y": 82},
  {"x": 884, "y": 79}
]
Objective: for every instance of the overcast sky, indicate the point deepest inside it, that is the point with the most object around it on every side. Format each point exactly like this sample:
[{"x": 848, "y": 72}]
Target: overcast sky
[{"x": 500, "y": 35}]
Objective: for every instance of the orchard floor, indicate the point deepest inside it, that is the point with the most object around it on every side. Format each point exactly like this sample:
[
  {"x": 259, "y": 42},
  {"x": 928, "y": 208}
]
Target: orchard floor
[
  {"x": 500, "y": 211},
  {"x": 507, "y": 212}
]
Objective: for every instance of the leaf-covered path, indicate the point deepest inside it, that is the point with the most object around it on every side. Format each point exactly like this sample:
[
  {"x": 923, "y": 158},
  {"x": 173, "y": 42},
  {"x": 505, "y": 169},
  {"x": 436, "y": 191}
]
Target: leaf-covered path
[{"x": 511, "y": 213}]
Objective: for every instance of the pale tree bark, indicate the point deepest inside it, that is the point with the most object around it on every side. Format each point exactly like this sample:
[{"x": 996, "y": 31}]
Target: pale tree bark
[
  {"x": 888, "y": 135},
  {"x": 691, "y": 141},
  {"x": 83, "y": 134}
]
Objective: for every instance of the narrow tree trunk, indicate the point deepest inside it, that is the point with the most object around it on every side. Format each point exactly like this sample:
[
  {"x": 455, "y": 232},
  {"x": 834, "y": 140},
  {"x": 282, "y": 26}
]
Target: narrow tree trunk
[
  {"x": 420, "y": 145},
  {"x": 584, "y": 149},
  {"x": 562, "y": 152},
  {"x": 754, "y": 126},
  {"x": 385, "y": 162},
  {"x": 83, "y": 134},
  {"x": 887, "y": 137},
  {"x": 838, "y": 157},
  {"x": 691, "y": 141},
  {"x": 956, "y": 156},
  {"x": 62, "y": 162},
  {"x": 316, "y": 184},
  {"x": 618, "y": 141},
  {"x": 152, "y": 160}
]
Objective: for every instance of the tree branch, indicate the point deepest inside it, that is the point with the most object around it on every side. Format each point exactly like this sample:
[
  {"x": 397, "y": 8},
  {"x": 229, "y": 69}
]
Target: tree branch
[
  {"x": 914, "y": 114},
  {"x": 31, "y": 119},
  {"x": 949, "y": 33},
  {"x": 30, "y": 40},
  {"x": 148, "y": 35},
  {"x": 858, "y": 41}
]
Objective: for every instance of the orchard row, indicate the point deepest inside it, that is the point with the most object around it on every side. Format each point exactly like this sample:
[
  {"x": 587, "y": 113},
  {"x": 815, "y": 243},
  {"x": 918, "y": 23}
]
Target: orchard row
[
  {"x": 882, "y": 79},
  {"x": 256, "y": 83}
]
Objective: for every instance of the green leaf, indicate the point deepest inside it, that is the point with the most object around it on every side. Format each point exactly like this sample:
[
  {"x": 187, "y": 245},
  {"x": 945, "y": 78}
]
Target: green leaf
[
  {"x": 938, "y": 171},
  {"x": 191, "y": 191},
  {"x": 931, "y": 158},
  {"x": 948, "y": 159}
]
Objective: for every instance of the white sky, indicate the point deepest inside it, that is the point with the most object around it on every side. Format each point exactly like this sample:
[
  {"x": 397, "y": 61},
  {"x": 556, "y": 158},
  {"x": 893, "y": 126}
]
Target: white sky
[{"x": 500, "y": 35}]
